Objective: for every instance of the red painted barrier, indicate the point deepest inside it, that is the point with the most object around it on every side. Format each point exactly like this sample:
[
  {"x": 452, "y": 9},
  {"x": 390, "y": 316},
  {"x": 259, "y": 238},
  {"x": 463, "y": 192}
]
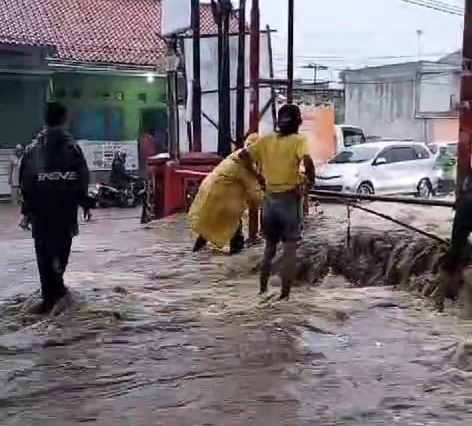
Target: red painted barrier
[{"x": 170, "y": 181}]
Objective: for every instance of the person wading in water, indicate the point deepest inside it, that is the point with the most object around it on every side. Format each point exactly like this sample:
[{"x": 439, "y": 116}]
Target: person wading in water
[
  {"x": 54, "y": 181},
  {"x": 222, "y": 198},
  {"x": 279, "y": 156}
]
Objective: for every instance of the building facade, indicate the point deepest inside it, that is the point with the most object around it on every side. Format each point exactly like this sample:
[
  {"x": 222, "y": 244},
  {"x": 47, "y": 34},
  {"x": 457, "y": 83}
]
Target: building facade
[
  {"x": 416, "y": 100},
  {"x": 104, "y": 60}
]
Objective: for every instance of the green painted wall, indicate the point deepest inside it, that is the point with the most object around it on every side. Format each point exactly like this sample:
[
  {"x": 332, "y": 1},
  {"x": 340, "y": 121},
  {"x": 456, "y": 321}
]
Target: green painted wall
[
  {"x": 22, "y": 99},
  {"x": 130, "y": 94}
]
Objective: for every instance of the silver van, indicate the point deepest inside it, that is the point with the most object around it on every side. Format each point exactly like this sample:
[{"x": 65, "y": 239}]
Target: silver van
[{"x": 387, "y": 168}]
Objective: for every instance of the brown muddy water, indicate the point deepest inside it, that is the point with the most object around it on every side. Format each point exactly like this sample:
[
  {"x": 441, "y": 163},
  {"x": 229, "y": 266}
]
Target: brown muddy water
[{"x": 159, "y": 336}]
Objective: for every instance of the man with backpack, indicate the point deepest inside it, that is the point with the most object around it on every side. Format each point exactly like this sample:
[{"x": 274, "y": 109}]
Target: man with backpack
[{"x": 54, "y": 181}]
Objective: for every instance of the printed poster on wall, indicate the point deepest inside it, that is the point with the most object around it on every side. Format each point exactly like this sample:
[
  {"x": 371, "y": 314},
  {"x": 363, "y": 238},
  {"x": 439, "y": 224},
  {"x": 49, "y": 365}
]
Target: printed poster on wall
[{"x": 99, "y": 154}]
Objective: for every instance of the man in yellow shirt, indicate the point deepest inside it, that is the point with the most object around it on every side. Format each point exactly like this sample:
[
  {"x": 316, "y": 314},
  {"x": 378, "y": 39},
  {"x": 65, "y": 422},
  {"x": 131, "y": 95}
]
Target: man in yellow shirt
[{"x": 279, "y": 156}]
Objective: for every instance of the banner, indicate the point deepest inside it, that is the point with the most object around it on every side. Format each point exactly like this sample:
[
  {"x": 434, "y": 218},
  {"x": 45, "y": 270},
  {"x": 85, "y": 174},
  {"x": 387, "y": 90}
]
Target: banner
[
  {"x": 319, "y": 128},
  {"x": 99, "y": 154}
]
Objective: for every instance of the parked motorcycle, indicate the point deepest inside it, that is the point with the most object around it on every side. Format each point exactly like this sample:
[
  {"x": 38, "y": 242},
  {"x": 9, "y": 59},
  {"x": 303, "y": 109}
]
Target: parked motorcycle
[{"x": 109, "y": 196}]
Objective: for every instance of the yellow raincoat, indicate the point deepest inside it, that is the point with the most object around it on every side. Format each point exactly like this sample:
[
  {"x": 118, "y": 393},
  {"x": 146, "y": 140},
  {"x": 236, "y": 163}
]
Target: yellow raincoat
[{"x": 221, "y": 200}]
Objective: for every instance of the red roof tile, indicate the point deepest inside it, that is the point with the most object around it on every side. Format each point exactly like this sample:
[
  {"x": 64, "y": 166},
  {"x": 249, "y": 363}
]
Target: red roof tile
[{"x": 100, "y": 31}]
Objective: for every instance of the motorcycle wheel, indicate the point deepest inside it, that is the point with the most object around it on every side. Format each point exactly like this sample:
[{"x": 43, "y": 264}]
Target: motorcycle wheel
[{"x": 101, "y": 203}]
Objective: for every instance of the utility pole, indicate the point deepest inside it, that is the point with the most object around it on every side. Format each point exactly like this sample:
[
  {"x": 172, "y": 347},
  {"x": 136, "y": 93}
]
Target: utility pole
[
  {"x": 465, "y": 117},
  {"x": 419, "y": 37},
  {"x": 254, "y": 108},
  {"x": 255, "y": 66},
  {"x": 315, "y": 68},
  {"x": 290, "y": 47},
  {"x": 172, "y": 64},
  {"x": 196, "y": 83},
  {"x": 241, "y": 77},
  {"x": 222, "y": 11}
]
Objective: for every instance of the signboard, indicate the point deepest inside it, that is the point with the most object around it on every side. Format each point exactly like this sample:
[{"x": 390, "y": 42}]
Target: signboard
[
  {"x": 318, "y": 127},
  {"x": 99, "y": 154},
  {"x": 175, "y": 17}
]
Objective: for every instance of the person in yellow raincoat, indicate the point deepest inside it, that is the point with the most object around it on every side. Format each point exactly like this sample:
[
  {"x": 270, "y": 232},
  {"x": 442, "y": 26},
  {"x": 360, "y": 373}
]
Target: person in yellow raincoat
[{"x": 223, "y": 196}]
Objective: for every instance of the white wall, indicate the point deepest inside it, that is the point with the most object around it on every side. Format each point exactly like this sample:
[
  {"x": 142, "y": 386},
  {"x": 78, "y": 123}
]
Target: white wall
[
  {"x": 396, "y": 100},
  {"x": 438, "y": 92}
]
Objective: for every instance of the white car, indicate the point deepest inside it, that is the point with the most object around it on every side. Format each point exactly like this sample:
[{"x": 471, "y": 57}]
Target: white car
[{"x": 386, "y": 168}]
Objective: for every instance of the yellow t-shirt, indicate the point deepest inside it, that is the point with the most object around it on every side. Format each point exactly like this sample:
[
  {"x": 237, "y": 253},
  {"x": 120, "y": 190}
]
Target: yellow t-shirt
[{"x": 279, "y": 158}]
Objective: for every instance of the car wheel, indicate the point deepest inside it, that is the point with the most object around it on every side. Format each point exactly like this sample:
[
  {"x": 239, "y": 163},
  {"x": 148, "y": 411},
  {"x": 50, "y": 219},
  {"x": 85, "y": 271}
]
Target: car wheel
[
  {"x": 425, "y": 189},
  {"x": 365, "y": 188}
]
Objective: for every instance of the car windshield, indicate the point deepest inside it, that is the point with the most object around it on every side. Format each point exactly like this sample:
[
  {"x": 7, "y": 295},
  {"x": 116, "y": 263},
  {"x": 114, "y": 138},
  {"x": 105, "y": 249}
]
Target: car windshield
[{"x": 356, "y": 155}]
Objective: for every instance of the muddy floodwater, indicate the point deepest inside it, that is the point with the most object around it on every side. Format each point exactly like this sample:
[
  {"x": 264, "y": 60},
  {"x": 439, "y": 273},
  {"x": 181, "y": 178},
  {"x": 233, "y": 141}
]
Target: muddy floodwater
[{"x": 157, "y": 336}]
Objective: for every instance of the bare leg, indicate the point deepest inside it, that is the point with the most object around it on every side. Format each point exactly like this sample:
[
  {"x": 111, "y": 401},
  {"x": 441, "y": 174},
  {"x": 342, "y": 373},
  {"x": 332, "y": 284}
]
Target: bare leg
[
  {"x": 266, "y": 267},
  {"x": 289, "y": 260}
]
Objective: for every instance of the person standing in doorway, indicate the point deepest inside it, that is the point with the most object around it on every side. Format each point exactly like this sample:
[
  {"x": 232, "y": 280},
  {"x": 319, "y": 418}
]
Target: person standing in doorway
[
  {"x": 279, "y": 156},
  {"x": 54, "y": 180},
  {"x": 14, "y": 175}
]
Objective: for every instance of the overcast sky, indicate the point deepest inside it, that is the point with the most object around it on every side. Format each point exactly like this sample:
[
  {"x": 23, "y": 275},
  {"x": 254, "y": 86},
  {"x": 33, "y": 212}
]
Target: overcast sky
[{"x": 356, "y": 33}]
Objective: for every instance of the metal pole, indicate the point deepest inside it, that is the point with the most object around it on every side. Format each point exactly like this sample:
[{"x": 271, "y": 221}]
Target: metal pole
[
  {"x": 465, "y": 117},
  {"x": 216, "y": 8},
  {"x": 272, "y": 75},
  {"x": 241, "y": 79},
  {"x": 196, "y": 83},
  {"x": 291, "y": 7},
  {"x": 254, "y": 66},
  {"x": 172, "y": 99},
  {"x": 381, "y": 198},
  {"x": 224, "y": 142},
  {"x": 254, "y": 111},
  {"x": 315, "y": 76}
]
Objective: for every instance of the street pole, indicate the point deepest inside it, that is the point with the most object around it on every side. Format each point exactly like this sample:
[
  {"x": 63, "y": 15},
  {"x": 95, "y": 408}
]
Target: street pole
[
  {"x": 241, "y": 77},
  {"x": 224, "y": 9},
  {"x": 172, "y": 97},
  {"x": 315, "y": 68},
  {"x": 291, "y": 7},
  {"x": 196, "y": 83},
  {"x": 272, "y": 75},
  {"x": 254, "y": 67},
  {"x": 315, "y": 78},
  {"x": 254, "y": 107},
  {"x": 465, "y": 117}
]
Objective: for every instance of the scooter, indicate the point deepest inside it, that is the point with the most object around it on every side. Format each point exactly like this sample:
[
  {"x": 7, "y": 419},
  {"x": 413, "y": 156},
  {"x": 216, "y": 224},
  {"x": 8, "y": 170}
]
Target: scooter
[{"x": 109, "y": 196}]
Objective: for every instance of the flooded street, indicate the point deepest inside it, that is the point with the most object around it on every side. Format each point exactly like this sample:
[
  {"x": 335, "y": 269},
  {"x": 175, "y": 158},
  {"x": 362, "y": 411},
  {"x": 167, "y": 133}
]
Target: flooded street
[{"x": 158, "y": 336}]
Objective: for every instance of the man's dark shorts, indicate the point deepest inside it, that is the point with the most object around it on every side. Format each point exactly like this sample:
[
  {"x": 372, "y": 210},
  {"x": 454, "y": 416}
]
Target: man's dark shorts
[{"x": 282, "y": 216}]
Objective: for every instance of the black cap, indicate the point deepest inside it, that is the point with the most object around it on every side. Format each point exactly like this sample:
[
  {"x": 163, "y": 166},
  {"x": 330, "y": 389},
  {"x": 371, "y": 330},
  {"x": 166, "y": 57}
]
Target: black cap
[{"x": 289, "y": 114}]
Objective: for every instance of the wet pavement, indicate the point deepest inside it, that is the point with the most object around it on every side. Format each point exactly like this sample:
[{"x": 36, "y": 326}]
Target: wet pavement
[{"x": 159, "y": 336}]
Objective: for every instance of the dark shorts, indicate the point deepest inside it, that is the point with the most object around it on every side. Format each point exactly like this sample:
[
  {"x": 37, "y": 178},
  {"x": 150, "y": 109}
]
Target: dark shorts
[{"x": 281, "y": 218}]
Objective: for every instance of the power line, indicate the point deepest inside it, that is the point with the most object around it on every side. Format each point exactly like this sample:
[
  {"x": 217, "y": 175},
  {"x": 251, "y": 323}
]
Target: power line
[
  {"x": 436, "y": 5},
  {"x": 336, "y": 58}
]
